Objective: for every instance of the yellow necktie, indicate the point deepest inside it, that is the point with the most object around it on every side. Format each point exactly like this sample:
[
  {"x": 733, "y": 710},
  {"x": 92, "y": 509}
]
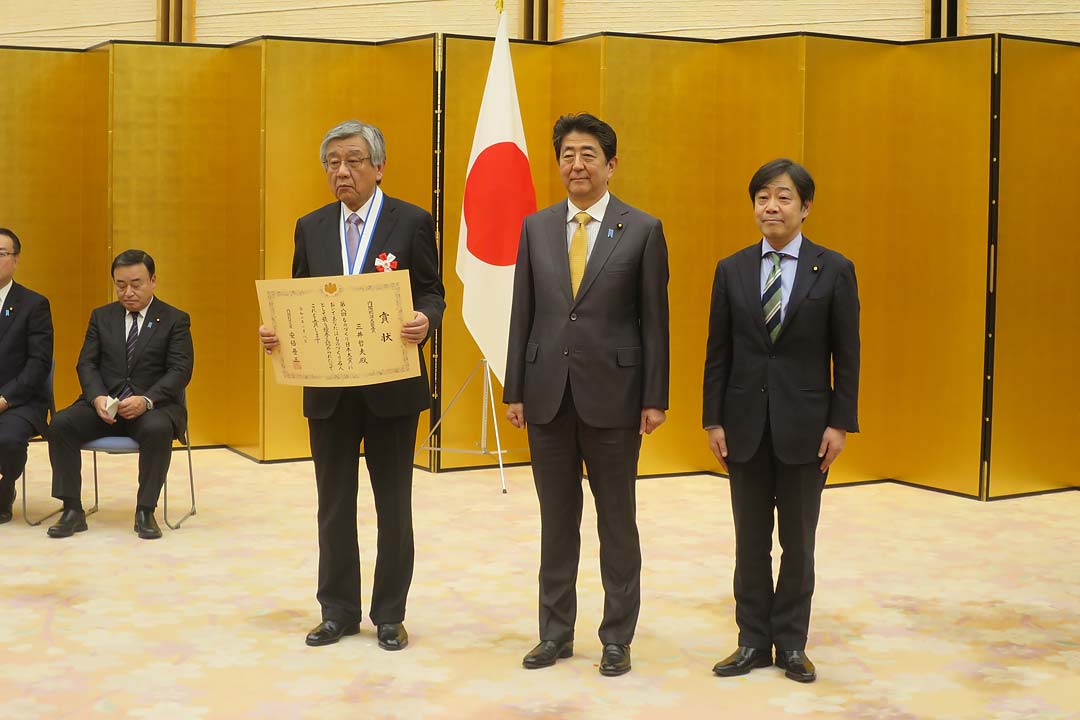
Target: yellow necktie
[{"x": 579, "y": 245}]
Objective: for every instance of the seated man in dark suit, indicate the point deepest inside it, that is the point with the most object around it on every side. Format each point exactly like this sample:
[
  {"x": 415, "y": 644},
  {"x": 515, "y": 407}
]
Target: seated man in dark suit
[
  {"x": 26, "y": 344},
  {"x": 134, "y": 365}
]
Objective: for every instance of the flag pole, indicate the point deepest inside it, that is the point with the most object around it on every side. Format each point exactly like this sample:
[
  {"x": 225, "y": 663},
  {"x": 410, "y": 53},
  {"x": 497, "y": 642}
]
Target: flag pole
[{"x": 488, "y": 398}]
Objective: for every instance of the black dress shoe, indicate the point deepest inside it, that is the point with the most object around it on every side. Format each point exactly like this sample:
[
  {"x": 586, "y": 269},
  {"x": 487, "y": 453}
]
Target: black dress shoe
[
  {"x": 5, "y": 508},
  {"x": 70, "y": 522},
  {"x": 546, "y": 653},
  {"x": 743, "y": 661},
  {"x": 329, "y": 632},
  {"x": 796, "y": 665},
  {"x": 615, "y": 660},
  {"x": 392, "y": 636},
  {"x": 146, "y": 526}
]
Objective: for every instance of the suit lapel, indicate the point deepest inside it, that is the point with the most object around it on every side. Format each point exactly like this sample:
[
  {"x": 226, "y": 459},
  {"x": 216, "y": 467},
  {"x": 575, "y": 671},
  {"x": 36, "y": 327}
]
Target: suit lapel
[
  {"x": 380, "y": 241},
  {"x": 807, "y": 272},
  {"x": 10, "y": 309},
  {"x": 611, "y": 230},
  {"x": 554, "y": 228},
  {"x": 749, "y": 264},
  {"x": 154, "y": 315},
  {"x": 330, "y": 248}
]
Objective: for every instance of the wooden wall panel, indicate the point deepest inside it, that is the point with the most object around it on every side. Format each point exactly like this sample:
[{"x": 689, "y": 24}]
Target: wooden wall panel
[
  {"x": 1053, "y": 19},
  {"x": 887, "y": 19},
  {"x": 228, "y": 21},
  {"x": 76, "y": 23}
]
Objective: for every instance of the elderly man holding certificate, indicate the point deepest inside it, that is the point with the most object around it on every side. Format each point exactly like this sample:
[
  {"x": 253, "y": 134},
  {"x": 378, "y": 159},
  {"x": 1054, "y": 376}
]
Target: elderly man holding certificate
[{"x": 366, "y": 231}]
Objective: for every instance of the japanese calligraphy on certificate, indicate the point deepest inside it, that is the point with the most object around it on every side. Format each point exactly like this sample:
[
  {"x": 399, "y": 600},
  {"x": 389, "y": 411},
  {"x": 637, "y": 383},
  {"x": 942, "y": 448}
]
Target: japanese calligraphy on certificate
[{"x": 340, "y": 331}]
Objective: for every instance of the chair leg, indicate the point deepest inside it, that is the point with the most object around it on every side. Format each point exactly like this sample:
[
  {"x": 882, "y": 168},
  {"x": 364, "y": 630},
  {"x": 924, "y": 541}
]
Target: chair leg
[
  {"x": 165, "y": 492},
  {"x": 35, "y": 523},
  {"x": 94, "y": 509}
]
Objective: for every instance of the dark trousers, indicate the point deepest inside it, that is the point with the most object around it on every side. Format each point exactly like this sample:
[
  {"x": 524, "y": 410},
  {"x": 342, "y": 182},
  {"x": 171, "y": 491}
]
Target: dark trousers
[
  {"x": 389, "y": 445},
  {"x": 15, "y": 433},
  {"x": 73, "y": 426},
  {"x": 610, "y": 456},
  {"x": 780, "y": 616}
]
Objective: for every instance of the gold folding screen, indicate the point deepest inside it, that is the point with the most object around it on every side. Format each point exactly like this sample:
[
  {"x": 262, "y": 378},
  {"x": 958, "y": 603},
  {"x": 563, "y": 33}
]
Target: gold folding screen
[
  {"x": 308, "y": 87},
  {"x": 1036, "y": 393},
  {"x": 52, "y": 187},
  {"x": 897, "y": 139},
  {"x": 695, "y": 119},
  {"x": 205, "y": 156}
]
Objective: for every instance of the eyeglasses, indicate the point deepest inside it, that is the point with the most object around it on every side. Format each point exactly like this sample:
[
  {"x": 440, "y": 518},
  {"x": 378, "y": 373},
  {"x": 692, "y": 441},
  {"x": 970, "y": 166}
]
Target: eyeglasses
[
  {"x": 5, "y": 254},
  {"x": 334, "y": 164}
]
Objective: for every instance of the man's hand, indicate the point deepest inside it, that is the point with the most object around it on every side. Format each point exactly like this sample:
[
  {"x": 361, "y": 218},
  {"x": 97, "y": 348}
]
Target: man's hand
[
  {"x": 4, "y": 404},
  {"x": 99, "y": 405},
  {"x": 515, "y": 413},
  {"x": 132, "y": 407},
  {"x": 832, "y": 442},
  {"x": 651, "y": 418},
  {"x": 718, "y": 445},
  {"x": 269, "y": 338},
  {"x": 414, "y": 331}
]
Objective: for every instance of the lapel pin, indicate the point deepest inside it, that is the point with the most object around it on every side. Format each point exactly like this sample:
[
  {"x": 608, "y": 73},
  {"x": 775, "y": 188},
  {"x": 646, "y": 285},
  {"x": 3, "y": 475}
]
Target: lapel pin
[
  {"x": 815, "y": 268},
  {"x": 9, "y": 312},
  {"x": 619, "y": 226},
  {"x": 611, "y": 233}
]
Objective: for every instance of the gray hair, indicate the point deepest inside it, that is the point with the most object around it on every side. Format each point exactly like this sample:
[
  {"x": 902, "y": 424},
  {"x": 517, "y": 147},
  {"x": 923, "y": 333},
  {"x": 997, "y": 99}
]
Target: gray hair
[{"x": 353, "y": 128}]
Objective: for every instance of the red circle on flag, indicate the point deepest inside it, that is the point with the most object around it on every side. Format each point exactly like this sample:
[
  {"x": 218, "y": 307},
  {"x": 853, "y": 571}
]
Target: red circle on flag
[{"x": 498, "y": 195}]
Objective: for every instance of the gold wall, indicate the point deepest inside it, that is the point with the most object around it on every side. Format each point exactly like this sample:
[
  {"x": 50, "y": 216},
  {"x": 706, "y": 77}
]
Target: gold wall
[
  {"x": 205, "y": 156},
  {"x": 308, "y": 88},
  {"x": 52, "y": 187},
  {"x": 897, "y": 139},
  {"x": 1036, "y": 410},
  {"x": 171, "y": 196}
]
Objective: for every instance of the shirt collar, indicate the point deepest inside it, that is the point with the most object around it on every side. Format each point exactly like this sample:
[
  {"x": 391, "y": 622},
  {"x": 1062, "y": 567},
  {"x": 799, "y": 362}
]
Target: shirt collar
[
  {"x": 142, "y": 313},
  {"x": 596, "y": 211},
  {"x": 6, "y": 290},
  {"x": 790, "y": 250},
  {"x": 360, "y": 211}
]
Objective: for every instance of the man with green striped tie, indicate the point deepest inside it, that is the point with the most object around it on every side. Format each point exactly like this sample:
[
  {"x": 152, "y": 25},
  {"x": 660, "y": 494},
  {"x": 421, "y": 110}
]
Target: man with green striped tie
[{"x": 780, "y": 395}]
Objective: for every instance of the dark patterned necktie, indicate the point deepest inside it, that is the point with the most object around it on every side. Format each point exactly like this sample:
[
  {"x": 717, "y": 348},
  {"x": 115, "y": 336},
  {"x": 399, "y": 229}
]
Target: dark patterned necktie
[
  {"x": 770, "y": 297},
  {"x": 132, "y": 339}
]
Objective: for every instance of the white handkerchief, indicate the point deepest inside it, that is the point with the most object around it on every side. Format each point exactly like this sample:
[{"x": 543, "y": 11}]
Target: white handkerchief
[{"x": 112, "y": 405}]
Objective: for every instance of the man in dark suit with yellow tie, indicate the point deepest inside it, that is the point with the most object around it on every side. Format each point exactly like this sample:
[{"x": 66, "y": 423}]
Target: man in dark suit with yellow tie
[
  {"x": 365, "y": 230},
  {"x": 587, "y": 373},
  {"x": 780, "y": 393},
  {"x": 26, "y": 346},
  {"x": 135, "y": 362}
]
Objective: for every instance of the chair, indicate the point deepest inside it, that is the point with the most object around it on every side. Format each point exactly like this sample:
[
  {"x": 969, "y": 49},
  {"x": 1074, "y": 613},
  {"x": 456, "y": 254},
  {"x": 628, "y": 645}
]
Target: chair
[
  {"x": 52, "y": 411},
  {"x": 121, "y": 445}
]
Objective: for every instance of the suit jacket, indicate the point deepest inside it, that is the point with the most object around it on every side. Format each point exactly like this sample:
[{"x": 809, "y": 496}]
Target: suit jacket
[
  {"x": 160, "y": 368},
  {"x": 407, "y": 232},
  {"x": 805, "y": 381},
  {"x": 611, "y": 341},
  {"x": 26, "y": 353}
]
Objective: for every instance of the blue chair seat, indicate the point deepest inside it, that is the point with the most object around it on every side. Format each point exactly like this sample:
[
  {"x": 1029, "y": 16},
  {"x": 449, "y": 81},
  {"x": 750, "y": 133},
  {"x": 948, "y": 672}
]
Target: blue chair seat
[{"x": 118, "y": 444}]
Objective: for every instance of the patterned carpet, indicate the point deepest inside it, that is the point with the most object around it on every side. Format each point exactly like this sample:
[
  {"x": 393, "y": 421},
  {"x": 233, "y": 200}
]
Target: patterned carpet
[{"x": 928, "y": 606}]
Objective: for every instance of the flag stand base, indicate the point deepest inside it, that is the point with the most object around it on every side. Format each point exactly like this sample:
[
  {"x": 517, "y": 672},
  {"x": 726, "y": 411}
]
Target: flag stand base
[{"x": 488, "y": 399}]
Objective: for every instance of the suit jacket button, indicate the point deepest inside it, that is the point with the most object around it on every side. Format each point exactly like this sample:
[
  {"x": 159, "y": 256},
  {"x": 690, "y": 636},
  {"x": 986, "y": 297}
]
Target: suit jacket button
[
  {"x": 764, "y": 389},
  {"x": 566, "y": 351},
  {"x": 772, "y": 357},
  {"x": 573, "y": 316}
]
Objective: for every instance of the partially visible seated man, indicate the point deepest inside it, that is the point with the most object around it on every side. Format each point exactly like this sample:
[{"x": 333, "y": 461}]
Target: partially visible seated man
[
  {"x": 26, "y": 346},
  {"x": 134, "y": 365}
]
